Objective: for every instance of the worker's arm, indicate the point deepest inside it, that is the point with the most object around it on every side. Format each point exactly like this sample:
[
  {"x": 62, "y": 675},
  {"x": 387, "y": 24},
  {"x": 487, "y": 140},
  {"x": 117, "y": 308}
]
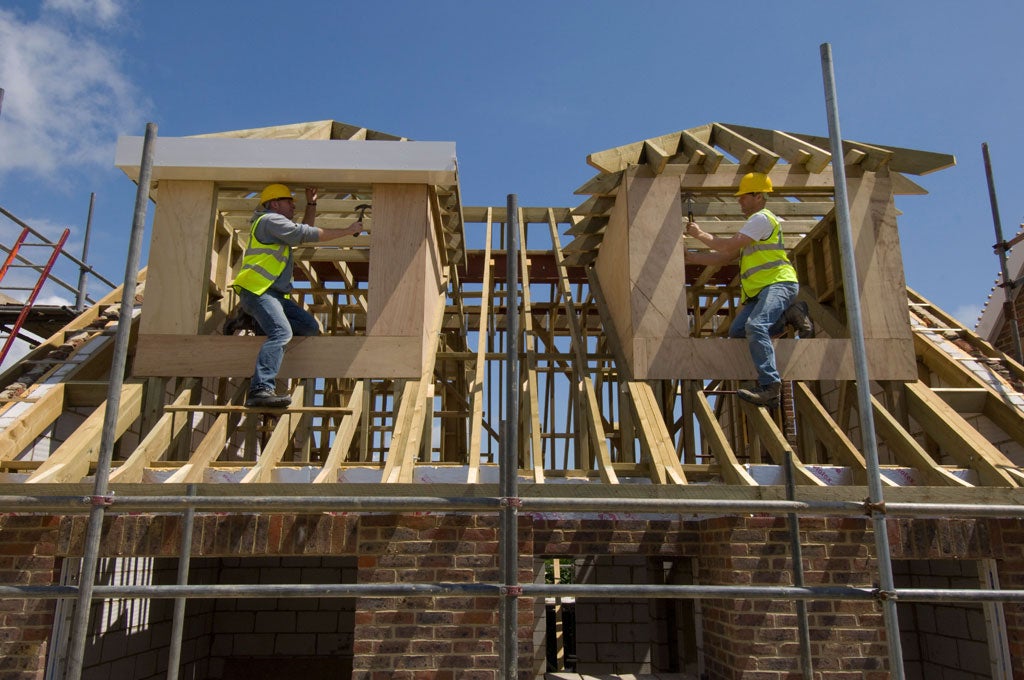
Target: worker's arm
[
  {"x": 729, "y": 248},
  {"x": 309, "y": 217},
  {"x": 331, "y": 234},
  {"x": 326, "y": 234}
]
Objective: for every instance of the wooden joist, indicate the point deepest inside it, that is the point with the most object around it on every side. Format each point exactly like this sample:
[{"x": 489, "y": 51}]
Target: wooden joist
[
  {"x": 956, "y": 437},
  {"x": 587, "y": 399},
  {"x": 749, "y": 153},
  {"x": 72, "y": 459},
  {"x": 529, "y": 408},
  {"x": 480, "y": 363},
  {"x": 342, "y": 437},
  {"x": 908, "y": 451},
  {"x": 277, "y": 446},
  {"x": 776, "y": 444},
  {"x": 732, "y": 470},
  {"x": 157, "y": 442},
  {"x": 829, "y": 432}
]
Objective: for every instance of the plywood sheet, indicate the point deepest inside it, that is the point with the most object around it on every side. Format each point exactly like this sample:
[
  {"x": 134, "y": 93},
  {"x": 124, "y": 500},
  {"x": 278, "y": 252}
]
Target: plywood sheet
[
  {"x": 883, "y": 287},
  {"x": 399, "y": 261},
  {"x": 612, "y": 271},
  {"x": 657, "y": 276},
  {"x": 179, "y": 258}
]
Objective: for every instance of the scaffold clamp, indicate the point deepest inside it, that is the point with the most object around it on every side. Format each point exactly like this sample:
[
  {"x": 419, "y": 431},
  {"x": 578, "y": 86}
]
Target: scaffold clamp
[
  {"x": 883, "y": 595},
  {"x": 515, "y": 502},
  {"x": 101, "y": 501},
  {"x": 871, "y": 508},
  {"x": 511, "y": 591}
]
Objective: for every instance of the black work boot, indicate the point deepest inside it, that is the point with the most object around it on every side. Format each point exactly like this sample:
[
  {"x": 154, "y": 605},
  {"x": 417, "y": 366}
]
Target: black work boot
[
  {"x": 798, "y": 316},
  {"x": 767, "y": 395},
  {"x": 264, "y": 398}
]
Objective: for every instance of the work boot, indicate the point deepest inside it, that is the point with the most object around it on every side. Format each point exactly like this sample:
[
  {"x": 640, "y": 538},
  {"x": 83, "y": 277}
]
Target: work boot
[
  {"x": 798, "y": 316},
  {"x": 264, "y": 398},
  {"x": 767, "y": 395}
]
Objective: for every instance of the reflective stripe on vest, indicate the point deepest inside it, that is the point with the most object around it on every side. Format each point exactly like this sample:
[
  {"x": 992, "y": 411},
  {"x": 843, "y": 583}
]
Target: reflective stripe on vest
[
  {"x": 261, "y": 264},
  {"x": 764, "y": 262}
]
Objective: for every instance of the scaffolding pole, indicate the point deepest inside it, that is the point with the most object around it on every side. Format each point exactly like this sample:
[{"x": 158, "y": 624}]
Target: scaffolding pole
[
  {"x": 807, "y": 665},
  {"x": 1008, "y": 285},
  {"x": 509, "y": 464},
  {"x": 90, "y": 558},
  {"x": 688, "y": 506},
  {"x": 579, "y": 590},
  {"x": 178, "y": 617},
  {"x": 853, "y": 313},
  {"x": 83, "y": 270}
]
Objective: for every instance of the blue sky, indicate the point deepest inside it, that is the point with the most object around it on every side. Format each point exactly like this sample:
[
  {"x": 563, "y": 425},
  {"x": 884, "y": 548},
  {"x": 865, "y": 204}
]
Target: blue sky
[{"x": 526, "y": 90}]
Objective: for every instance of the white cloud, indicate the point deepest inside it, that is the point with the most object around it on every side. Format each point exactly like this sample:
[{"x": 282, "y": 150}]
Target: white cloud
[
  {"x": 66, "y": 95},
  {"x": 102, "y": 11}
]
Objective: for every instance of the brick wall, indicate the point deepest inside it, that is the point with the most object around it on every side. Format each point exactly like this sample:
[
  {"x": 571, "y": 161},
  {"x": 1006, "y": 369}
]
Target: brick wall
[
  {"x": 456, "y": 637},
  {"x": 27, "y": 557},
  {"x": 759, "y": 638},
  {"x": 435, "y": 638}
]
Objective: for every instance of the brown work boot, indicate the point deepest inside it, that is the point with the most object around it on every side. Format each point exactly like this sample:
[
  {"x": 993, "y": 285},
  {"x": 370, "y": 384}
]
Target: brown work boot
[
  {"x": 762, "y": 396},
  {"x": 798, "y": 316}
]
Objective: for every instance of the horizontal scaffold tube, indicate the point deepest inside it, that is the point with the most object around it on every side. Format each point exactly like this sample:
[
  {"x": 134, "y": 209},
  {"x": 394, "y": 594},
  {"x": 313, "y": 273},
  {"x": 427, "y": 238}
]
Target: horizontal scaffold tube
[
  {"x": 114, "y": 503},
  {"x": 211, "y": 591}
]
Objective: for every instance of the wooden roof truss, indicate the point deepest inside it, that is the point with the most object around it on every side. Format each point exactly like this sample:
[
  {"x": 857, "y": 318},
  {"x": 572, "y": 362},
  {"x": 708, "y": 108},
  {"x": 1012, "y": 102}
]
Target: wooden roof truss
[{"x": 583, "y": 414}]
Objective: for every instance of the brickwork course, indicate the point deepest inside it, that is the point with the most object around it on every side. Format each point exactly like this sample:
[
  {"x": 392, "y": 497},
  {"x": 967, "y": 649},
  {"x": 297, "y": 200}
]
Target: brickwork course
[{"x": 416, "y": 637}]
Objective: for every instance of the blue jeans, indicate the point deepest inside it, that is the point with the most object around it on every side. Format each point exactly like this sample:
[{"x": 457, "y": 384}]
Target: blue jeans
[
  {"x": 280, "y": 318},
  {"x": 759, "y": 320}
]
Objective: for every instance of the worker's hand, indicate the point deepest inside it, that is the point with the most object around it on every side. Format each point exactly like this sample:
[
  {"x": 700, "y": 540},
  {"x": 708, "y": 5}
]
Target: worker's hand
[
  {"x": 693, "y": 230},
  {"x": 311, "y": 194},
  {"x": 355, "y": 228}
]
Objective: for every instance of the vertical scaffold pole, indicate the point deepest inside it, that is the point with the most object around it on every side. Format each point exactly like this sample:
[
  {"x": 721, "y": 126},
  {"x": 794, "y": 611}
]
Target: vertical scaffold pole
[
  {"x": 867, "y": 419},
  {"x": 178, "y": 617},
  {"x": 83, "y": 271},
  {"x": 1009, "y": 304},
  {"x": 90, "y": 558},
  {"x": 509, "y": 466}
]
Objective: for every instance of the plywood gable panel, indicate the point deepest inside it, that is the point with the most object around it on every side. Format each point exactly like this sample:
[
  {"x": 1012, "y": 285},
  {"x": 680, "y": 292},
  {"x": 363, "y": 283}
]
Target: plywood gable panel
[{"x": 179, "y": 258}]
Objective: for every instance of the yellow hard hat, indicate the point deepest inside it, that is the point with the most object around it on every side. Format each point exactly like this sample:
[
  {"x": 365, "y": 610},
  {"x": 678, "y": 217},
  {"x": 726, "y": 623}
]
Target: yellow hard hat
[
  {"x": 754, "y": 183},
  {"x": 274, "y": 192}
]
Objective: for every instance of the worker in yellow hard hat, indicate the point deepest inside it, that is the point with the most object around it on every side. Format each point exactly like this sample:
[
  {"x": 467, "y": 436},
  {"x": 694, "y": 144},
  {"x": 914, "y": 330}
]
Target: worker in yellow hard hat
[
  {"x": 265, "y": 280},
  {"x": 767, "y": 279}
]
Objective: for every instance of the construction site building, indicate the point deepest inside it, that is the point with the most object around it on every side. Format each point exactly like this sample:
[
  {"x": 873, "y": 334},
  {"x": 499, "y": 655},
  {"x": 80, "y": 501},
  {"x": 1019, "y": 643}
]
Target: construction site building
[{"x": 652, "y": 524}]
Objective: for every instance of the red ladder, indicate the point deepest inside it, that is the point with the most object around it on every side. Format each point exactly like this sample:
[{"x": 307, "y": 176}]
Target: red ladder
[{"x": 44, "y": 273}]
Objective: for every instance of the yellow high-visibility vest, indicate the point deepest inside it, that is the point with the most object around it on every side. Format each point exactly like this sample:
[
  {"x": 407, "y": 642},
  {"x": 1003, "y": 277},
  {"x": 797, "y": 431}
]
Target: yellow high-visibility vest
[
  {"x": 262, "y": 263},
  {"x": 764, "y": 262}
]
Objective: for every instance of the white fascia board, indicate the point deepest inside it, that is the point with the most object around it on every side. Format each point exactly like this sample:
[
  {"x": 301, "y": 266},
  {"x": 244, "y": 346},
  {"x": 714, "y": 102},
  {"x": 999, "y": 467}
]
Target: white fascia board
[{"x": 292, "y": 160}]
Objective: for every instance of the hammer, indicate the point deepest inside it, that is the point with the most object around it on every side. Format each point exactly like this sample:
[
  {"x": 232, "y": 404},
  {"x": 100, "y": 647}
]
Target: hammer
[
  {"x": 689, "y": 207},
  {"x": 361, "y": 209}
]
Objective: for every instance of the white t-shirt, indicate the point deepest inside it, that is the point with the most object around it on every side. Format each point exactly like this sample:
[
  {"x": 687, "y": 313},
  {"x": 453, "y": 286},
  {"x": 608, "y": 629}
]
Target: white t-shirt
[{"x": 757, "y": 227}]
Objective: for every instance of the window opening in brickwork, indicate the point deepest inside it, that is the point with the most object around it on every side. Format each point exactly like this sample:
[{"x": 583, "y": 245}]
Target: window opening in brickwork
[
  {"x": 949, "y": 640},
  {"x": 560, "y": 617},
  {"x": 223, "y": 639},
  {"x": 622, "y": 635}
]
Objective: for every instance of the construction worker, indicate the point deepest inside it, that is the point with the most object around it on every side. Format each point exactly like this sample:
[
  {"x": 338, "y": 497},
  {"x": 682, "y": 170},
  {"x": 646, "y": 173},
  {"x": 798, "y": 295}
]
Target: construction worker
[
  {"x": 265, "y": 281},
  {"x": 768, "y": 282}
]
